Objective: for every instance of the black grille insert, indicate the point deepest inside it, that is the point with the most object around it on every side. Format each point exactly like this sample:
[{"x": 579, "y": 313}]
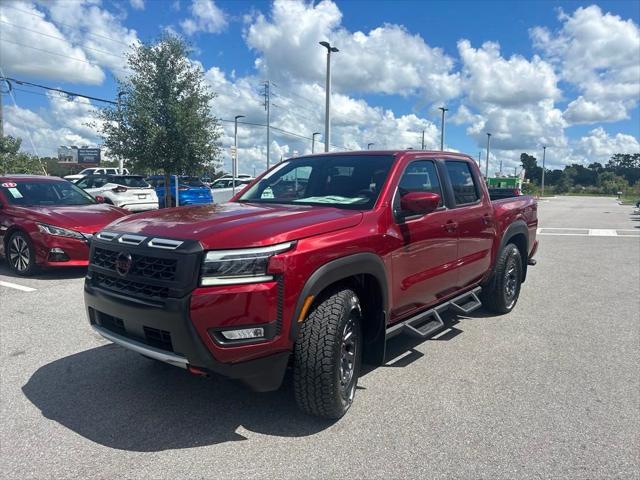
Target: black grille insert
[
  {"x": 142, "y": 265},
  {"x": 113, "y": 324},
  {"x": 129, "y": 287},
  {"x": 158, "y": 338}
]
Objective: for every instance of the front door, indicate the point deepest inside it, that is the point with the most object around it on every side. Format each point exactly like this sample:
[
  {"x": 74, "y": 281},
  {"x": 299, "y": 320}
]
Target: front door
[{"x": 424, "y": 260}]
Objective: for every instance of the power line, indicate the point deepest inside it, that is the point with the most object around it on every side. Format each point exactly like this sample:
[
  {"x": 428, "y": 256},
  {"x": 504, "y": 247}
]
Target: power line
[
  {"x": 61, "y": 39},
  {"x": 41, "y": 17},
  {"x": 59, "y": 90},
  {"x": 95, "y": 64}
]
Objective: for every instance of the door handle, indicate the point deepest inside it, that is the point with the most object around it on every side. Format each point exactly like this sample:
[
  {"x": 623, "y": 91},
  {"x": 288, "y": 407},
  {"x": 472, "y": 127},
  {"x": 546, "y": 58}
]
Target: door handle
[
  {"x": 450, "y": 226},
  {"x": 486, "y": 218}
]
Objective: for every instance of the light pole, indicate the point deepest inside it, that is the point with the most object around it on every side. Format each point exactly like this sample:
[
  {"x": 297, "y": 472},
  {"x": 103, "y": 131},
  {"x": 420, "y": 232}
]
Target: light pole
[
  {"x": 234, "y": 160},
  {"x": 442, "y": 128},
  {"x": 369, "y": 145},
  {"x": 544, "y": 154},
  {"x": 120, "y": 160},
  {"x": 479, "y": 157},
  {"x": 327, "y": 121},
  {"x": 423, "y": 139},
  {"x": 486, "y": 171},
  {"x": 313, "y": 141}
]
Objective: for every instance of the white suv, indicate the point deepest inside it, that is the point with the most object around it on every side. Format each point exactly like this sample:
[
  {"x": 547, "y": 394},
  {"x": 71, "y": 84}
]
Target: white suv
[
  {"x": 125, "y": 191},
  {"x": 95, "y": 171}
]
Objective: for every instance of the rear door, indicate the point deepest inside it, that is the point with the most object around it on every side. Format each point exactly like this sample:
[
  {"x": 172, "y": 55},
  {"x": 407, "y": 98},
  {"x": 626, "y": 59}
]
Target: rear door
[
  {"x": 424, "y": 262},
  {"x": 474, "y": 221}
]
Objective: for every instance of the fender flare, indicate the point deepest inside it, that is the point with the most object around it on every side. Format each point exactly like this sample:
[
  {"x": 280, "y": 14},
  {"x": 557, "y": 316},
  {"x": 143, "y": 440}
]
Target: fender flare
[
  {"x": 339, "y": 269},
  {"x": 516, "y": 228}
]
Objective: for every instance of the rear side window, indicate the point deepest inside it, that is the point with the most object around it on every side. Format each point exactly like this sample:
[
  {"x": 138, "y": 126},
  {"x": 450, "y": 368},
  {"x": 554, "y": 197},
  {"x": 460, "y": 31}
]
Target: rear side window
[
  {"x": 129, "y": 181},
  {"x": 464, "y": 186}
]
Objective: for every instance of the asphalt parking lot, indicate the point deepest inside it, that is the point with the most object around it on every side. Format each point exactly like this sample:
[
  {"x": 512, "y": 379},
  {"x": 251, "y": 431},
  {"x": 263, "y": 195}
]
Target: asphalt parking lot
[{"x": 551, "y": 390}]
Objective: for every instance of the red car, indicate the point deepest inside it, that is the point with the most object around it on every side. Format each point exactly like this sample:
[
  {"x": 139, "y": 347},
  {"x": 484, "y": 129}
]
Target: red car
[
  {"x": 48, "y": 222},
  {"x": 314, "y": 265}
]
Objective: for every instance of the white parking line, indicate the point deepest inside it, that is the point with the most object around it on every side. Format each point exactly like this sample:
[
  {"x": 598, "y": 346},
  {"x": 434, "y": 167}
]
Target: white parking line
[
  {"x": 588, "y": 232},
  {"x": 16, "y": 286}
]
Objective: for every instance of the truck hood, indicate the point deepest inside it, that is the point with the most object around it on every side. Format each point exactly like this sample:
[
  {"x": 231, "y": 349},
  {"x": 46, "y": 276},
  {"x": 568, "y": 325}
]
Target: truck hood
[
  {"x": 235, "y": 225},
  {"x": 82, "y": 218}
]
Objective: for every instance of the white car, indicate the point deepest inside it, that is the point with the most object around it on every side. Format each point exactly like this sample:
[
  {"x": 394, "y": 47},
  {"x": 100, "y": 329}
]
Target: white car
[
  {"x": 125, "y": 191},
  {"x": 223, "y": 188},
  {"x": 95, "y": 171}
]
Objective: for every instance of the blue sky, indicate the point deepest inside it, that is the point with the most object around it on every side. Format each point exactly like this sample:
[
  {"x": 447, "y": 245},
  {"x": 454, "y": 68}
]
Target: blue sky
[{"x": 539, "y": 81}]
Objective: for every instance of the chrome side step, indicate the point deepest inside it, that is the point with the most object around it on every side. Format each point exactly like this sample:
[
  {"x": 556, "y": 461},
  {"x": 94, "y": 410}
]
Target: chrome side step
[{"x": 425, "y": 324}]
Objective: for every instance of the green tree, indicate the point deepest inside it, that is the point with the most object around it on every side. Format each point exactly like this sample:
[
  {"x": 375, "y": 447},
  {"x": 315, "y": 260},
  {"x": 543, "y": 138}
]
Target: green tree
[
  {"x": 532, "y": 171},
  {"x": 164, "y": 120},
  {"x": 12, "y": 160}
]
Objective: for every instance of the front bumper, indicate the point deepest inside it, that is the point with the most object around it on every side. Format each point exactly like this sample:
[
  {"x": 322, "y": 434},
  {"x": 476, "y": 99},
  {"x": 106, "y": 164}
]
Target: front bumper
[
  {"x": 166, "y": 332},
  {"x": 77, "y": 250}
]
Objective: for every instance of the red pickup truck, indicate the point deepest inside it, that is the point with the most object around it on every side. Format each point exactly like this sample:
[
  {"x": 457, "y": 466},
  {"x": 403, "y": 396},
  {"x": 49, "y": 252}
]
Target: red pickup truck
[{"x": 314, "y": 265}]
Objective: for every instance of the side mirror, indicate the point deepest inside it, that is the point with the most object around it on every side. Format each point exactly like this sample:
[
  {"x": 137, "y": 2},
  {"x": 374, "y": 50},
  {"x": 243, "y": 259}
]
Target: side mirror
[
  {"x": 99, "y": 198},
  {"x": 419, "y": 203}
]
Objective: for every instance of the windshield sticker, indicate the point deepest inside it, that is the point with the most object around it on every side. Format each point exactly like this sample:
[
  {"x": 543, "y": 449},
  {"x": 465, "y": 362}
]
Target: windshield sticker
[
  {"x": 332, "y": 199},
  {"x": 9, "y": 185},
  {"x": 15, "y": 193}
]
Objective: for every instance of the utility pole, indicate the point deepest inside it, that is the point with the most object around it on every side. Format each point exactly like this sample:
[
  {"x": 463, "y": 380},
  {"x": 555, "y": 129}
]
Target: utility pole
[
  {"x": 442, "y": 128},
  {"x": 500, "y": 167},
  {"x": 544, "y": 154},
  {"x": 313, "y": 141},
  {"x": 234, "y": 161},
  {"x": 486, "y": 171},
  {"x": 423, "y": 139},
  {"x": 479, "y": 157},
  {"x": 267, "y": 107},
  {"x": 327, "y": 109},
  {"x": 369, "y": 145}
]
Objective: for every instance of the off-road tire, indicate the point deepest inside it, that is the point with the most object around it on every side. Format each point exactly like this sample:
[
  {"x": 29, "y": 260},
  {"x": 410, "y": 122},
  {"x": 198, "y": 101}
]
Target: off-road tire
[
  {"x": 18, "y": 248},
  {"x": 319, "y": 386},
  {"x": 501, "y": 295}
]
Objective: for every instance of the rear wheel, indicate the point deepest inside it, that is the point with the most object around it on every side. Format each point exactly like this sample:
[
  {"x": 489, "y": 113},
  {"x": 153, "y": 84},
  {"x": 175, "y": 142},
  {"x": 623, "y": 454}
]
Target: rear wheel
[
  {"x": 327, "y": 356},
  {"x": 21, "y": 254},
  {"x": 501, "y": 295}
]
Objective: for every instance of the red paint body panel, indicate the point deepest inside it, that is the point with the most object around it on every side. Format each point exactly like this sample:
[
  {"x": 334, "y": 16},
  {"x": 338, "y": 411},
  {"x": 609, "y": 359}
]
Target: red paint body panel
[
  {"x": 85, "y": 219},
  {"x": 425, "y": 261}
]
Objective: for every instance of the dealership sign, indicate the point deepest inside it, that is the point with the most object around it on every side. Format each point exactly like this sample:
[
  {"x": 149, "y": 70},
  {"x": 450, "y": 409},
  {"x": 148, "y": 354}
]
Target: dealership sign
[{"x": 89, "y": 155}]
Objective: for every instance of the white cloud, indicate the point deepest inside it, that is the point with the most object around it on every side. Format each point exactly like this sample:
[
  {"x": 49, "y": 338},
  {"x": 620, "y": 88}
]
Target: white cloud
[
  {"x": 62, "y": 123},
  {"x": 387, "y": 59},
  {"x": 599, "y": 146},
  {"x": 598, "y": 52},
  {"x": 582, "y": 110},
  {"x": 489, "y": 78},
  {"x": 98, "y": 31},
  {"x": 205, "y": 17},
  {"x": 137, "y": 4},
  {"x": 44, "y": 50}
]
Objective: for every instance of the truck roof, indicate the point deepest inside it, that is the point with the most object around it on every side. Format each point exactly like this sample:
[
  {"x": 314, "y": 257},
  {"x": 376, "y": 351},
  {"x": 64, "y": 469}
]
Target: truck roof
[{"x": 423, "y": 153}]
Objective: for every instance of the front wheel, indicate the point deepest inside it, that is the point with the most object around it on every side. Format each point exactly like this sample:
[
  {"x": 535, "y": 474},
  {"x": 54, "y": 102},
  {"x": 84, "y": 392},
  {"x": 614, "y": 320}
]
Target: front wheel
[
  {"x": 21, "y": 254},
  {"x": 501, "y": 295},
  {"x": 327, "y": 356}
]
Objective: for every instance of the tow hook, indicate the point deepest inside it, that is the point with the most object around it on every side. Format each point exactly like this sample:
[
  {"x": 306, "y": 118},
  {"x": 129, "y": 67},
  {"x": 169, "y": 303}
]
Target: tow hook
[{"x": 197, "y": 371}]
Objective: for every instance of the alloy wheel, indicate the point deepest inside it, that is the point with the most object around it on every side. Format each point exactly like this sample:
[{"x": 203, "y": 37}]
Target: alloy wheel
[
  {"x": 19, "y": 254},
  {"x": 348, "y": 355}
]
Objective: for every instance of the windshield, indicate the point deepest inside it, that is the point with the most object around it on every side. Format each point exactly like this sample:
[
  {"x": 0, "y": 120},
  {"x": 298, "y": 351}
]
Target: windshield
[
  {"x": 341, "y": 181},
  {"x": 128, "y": 181},
  {"x": 29, "y": 193}
]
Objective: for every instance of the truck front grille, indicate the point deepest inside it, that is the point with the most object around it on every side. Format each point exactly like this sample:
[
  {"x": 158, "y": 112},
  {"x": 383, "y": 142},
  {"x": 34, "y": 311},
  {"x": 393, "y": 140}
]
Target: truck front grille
[
  {"x": 142, "y": 265},
  {"x": 130, "y": 287}
]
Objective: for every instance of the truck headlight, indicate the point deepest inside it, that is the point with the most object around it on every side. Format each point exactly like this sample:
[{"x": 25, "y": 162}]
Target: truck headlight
[
  {"x": 59, "y": 231},
  {"x": 246, "y": 265}
]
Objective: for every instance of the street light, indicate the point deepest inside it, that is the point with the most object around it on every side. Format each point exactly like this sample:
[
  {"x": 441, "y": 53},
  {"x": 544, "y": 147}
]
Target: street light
[
  {"x": 327, "y": 122},
  {"x": 423, "y": 139},
  {"x": 544, "y": 154},
  {"x": 120, "y": 160},
  {"x": 234, "y": 160},
  {"x": 313, "y": 141},
  {"x": 442, "y": 128},
  {"x": 486, "y": 171},
  {"x": 369, "y": 145}
]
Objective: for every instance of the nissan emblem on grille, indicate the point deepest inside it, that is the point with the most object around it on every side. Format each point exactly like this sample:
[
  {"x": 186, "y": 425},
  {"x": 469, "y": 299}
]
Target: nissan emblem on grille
[{"x": 123, "y": 263}]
